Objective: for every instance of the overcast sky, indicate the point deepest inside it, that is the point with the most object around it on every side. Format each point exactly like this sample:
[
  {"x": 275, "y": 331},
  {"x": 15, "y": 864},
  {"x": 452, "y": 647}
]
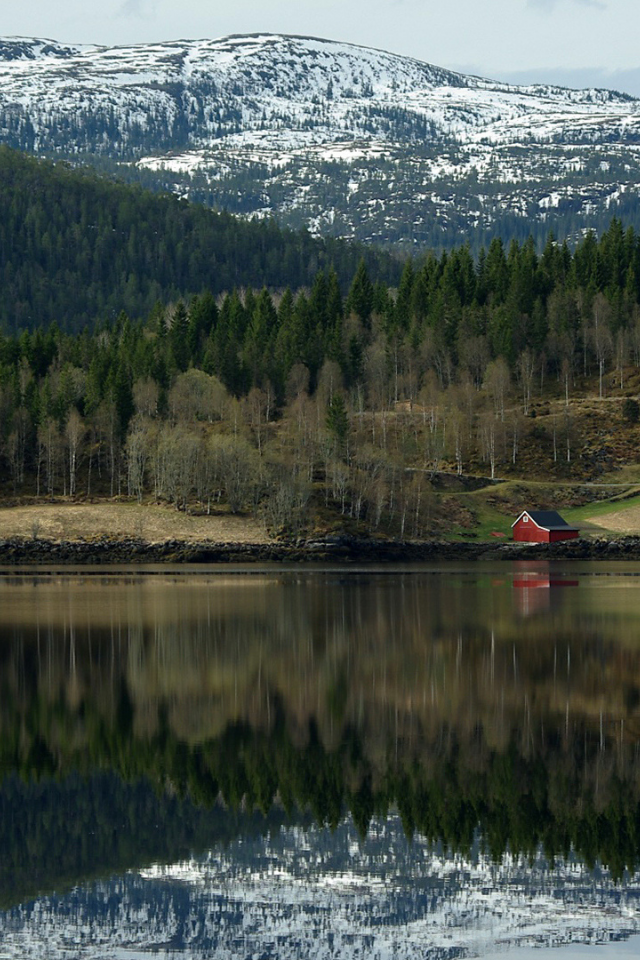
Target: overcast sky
[{"x": 575, "y": 42}]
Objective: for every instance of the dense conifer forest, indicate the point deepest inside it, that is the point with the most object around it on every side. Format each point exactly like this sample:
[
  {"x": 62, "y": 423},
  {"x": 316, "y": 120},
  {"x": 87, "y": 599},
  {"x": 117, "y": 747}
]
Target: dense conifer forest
[{"x": 76, "y": 248}]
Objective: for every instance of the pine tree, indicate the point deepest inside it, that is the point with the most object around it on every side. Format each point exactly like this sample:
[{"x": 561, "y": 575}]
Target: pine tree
[
  {"x": 122, "y": 396},
  {"x": 203, "y": 315},
  {"x": 259, "y": 338}
]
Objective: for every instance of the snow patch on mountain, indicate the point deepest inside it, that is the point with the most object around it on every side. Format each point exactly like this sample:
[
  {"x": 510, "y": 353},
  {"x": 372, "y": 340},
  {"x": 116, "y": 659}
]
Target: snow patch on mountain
[
  {"x": 302, "y": 90},
  {"x": 317, "y": 132}
]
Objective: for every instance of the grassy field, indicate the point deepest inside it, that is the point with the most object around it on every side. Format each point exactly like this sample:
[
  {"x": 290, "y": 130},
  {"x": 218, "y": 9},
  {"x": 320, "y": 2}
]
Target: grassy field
[{"x": 150, "y": 522}]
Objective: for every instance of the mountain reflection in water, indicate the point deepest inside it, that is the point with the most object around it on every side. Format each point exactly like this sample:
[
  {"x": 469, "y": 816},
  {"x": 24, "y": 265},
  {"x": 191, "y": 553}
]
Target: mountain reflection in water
[
  {"x": 305, "y": 893},
  {"x": 152, "y": 717}
]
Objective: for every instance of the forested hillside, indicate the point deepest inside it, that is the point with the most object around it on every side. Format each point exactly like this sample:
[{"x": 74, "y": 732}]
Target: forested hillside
[
  {"x": 260, "y": 401},
  {"x": 76, "y": 248}
]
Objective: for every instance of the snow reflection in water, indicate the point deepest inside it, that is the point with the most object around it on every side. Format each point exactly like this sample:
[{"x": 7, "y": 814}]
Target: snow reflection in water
[{"x": 310, "y": 893}]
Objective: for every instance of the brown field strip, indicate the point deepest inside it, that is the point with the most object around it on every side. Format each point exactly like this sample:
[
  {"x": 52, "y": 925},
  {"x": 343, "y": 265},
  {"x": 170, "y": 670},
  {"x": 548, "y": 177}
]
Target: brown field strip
[
  {"x": 626, "y": 521},
  {"x": 155, "y": 524}
]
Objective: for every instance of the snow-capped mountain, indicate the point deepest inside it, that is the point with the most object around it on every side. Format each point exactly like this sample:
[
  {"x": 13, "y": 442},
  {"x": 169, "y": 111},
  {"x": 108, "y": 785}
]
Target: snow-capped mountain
[
  {"x": 343, "y": 138},
  {"x": 304, "y": 894}
]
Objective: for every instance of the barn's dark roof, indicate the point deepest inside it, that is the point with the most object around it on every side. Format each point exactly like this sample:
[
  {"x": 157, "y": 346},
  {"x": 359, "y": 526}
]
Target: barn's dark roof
[{"x": 547, "y": 519}]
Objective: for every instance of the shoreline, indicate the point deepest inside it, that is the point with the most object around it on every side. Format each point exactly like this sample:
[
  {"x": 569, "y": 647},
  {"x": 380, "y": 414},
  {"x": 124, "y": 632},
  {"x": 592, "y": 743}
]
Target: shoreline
[{"x": 336, "y": 549}]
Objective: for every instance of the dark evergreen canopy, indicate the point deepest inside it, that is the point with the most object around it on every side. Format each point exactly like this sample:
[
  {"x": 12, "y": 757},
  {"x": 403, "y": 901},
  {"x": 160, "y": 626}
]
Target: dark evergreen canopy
[{"x": 76, "y": 248}]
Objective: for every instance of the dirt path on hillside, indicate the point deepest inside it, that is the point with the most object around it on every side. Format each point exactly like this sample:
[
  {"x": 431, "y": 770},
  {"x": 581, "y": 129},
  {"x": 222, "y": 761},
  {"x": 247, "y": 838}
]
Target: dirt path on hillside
[{"x": 155, "y": 524}]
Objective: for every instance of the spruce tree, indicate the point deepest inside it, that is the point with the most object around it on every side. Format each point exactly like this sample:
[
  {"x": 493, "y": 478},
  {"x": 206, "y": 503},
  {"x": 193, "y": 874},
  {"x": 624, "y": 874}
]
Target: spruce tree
[
  {"x": 337, "y": 422},
  {"x": 360, "y": 298},
  {"x": 179, "y": 337}
]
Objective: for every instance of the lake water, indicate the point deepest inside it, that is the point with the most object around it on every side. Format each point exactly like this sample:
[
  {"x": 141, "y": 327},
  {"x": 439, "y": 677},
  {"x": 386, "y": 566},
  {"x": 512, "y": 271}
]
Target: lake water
[{"x": 435, "y": 761}]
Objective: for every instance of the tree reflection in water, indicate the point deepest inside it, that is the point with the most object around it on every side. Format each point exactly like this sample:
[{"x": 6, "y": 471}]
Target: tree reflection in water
[{"x": 283, "y": 695}]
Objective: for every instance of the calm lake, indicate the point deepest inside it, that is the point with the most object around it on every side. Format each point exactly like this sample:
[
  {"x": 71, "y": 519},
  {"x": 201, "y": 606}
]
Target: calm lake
[{"x": 434, "y": 761}]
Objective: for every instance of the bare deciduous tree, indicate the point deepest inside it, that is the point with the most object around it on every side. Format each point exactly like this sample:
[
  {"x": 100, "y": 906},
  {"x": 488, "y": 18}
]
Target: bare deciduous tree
[
  {"x": 497, "y": 382},
  {"x": 488, "y": 430},
  {"x": 146, "y": 394},
  {"x": 526, "y": 368},
  {"x": 256, "y": 409},
  {"x": 138, "y": 448},
  {"x": 239, "y": 469},
  {"x": 49, "y": 449},
  {"x": 297, "y": 382},
  {"x": 474, "y": 354},
  {"x": 74, "y": 432},
  {"x": 106, "y": 420},
  {"x": 457, "y": 430},
  {"x": 283, "y": 508},
  {"x": 622, "y": 351},
  {"x": 197, "y": 396},
  {"x": 377, "y": 384},
  {"x": 601, "y": 336}
]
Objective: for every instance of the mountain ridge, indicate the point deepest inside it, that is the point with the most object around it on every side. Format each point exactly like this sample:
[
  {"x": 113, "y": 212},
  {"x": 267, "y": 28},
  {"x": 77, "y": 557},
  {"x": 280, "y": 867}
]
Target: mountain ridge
[
  {"x": 52, "y": 47},
  {"x": 418, "y": 155}
]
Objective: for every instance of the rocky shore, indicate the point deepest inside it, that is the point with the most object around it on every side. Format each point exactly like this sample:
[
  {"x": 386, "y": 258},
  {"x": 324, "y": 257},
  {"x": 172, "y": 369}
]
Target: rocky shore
[{"x": 334, "y": 549}]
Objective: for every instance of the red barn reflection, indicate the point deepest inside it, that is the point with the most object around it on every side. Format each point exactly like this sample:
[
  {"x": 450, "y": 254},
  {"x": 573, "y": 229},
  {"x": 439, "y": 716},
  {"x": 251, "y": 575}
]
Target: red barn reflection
[{"x": 535, "y": 584}]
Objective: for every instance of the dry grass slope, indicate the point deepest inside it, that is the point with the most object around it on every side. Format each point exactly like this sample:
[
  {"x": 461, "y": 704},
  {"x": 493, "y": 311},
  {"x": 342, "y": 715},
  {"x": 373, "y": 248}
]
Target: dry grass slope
[
  {"x": 155, "y": 524},
  {"x": 625, "y": 521}
]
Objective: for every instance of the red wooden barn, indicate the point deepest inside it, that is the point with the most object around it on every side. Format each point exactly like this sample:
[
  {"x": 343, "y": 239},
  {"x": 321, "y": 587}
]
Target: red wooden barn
[{"x": 542, "y": 526}]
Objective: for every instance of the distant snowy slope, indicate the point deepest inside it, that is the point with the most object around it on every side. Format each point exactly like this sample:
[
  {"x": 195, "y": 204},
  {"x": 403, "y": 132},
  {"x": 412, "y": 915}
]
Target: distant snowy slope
[
  {"x": 214, "y": 108},
  {"x": 300, "y": 89}
]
